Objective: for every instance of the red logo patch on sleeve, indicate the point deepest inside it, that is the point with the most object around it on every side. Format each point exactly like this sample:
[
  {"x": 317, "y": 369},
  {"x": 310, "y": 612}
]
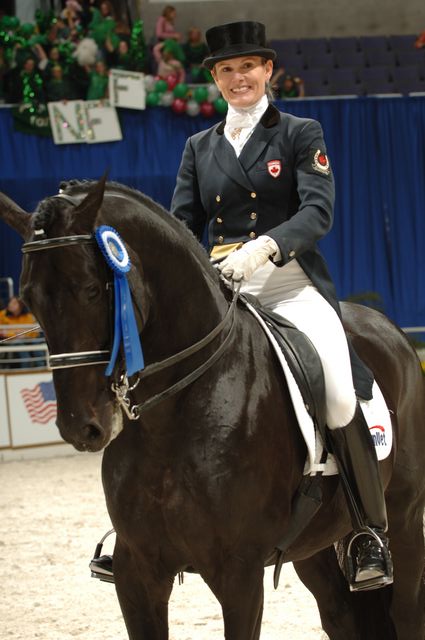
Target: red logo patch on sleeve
[{"x": 321, "y": 162}]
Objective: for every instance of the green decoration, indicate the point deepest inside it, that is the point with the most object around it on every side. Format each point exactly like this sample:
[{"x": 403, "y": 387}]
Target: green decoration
[
  {"x": 32, "y": 119},
  {"x": 196, "y": 73},
  {"x": 26, "y": 30},
  {"x": 200, "y": 94},
  {"x": 176, "y": 50},
  {"x": 180, "y": 90},
  {"x": 38, "y": 39},
  {"x": 161, "y": 86},
  {"x": 153, "y": 98},
  {"x": 137, "y": 47},
  {"x": 220, "y": 105}
]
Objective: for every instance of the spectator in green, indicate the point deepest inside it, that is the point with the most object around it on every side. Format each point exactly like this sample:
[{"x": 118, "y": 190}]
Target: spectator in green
[
  {"x": 196, "y": 50},
  {"x": 98, "y": 85},
  {"x": 58, "y": 87}
]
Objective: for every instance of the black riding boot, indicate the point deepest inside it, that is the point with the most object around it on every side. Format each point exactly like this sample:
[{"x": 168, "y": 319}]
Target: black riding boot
[{"x": 368, "y": 561}]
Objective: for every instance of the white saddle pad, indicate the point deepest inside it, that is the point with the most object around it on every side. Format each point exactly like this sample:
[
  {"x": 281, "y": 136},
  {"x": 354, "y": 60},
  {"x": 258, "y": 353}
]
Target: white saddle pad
[{"x": 375, "y": 411}]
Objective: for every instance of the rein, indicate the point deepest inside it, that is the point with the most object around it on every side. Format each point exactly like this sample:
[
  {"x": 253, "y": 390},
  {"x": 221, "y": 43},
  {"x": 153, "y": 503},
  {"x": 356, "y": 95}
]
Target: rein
[{"x": 123, "y": 387}]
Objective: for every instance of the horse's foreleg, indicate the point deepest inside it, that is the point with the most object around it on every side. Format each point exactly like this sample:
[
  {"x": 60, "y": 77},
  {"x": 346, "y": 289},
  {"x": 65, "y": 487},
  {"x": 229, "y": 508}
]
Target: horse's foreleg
[
  {"x": 239, "y": 589},
  {"x": 143, "y": 593}
]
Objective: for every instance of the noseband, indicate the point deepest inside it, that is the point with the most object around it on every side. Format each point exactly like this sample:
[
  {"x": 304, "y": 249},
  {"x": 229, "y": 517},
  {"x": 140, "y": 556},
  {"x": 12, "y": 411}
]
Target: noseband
[{"x": 123, "y": 387}]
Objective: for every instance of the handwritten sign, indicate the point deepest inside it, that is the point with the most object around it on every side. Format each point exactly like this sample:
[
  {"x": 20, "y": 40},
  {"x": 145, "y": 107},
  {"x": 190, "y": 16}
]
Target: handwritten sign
[{"x": 79, "y": 121}]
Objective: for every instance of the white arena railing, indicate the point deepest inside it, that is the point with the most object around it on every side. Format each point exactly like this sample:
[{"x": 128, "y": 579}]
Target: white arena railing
[
  {"x": 27, "y": 354},
  {"x": 22, "y": 353}
]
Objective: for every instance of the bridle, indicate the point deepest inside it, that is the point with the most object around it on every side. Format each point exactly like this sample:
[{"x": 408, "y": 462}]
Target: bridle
[
  {"x": 79, "y": 358},
  {"x": 123, "y": 387}
]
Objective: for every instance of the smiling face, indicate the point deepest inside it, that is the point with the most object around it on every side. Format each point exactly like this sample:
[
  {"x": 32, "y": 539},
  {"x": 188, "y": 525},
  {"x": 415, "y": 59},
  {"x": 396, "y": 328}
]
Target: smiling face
[{"x": 242, "y": 81}]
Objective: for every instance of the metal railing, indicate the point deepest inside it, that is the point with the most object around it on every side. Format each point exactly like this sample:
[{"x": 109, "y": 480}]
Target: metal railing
[
  {"x": 22, "y": 353},
  {"x": 27, "y": 354}
]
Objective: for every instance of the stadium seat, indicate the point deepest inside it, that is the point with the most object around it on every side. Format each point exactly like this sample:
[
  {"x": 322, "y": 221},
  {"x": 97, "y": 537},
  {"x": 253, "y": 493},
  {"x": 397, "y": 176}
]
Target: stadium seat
[
  {"x": 380, "y": 58},
  {"x": 350, "y": 59},
  {"x": 315, "y": 82},
  {"x": 376, "y": 80},
  {"x": 292, "y": 63},
  {"x": 344, "y": 82},
  {"x": 408, "y": 80},
  {"x": 402, "y": 42},
  {"x": 285, "y": 46},
  {"x": 312, "y": 46},
  {"x": 347, "y": 44},
  {"x": 373, "y": 43},
  {"x": 319, "y": 60},
  {"x": 412, "y": 58}
]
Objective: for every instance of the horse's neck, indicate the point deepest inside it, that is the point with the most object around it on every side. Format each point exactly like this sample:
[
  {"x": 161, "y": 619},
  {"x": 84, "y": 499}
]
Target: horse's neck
[{"x": 185, "y": 301}]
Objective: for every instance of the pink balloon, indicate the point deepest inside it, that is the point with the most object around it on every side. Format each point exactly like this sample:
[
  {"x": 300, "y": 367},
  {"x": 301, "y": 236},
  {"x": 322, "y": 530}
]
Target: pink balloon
[
  {"x": 171, "y": 81},
  {"x": 178, "y": 105},
  {"x": 207, "y": 109}
]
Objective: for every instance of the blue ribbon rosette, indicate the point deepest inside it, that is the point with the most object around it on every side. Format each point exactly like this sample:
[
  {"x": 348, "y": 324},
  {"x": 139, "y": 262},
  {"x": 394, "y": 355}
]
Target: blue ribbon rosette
[{"x": 125, "y": 326}]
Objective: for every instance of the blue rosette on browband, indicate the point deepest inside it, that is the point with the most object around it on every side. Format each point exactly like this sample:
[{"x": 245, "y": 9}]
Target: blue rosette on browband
[{"x": 125, "y": 326}]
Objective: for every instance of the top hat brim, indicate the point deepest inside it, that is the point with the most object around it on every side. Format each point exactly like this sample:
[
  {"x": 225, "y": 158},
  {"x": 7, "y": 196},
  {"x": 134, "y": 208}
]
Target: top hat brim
[{"x": 239, "y": 51}]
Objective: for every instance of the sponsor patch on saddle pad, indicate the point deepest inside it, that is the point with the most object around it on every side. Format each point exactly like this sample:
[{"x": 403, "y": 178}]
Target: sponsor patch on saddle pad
[{"x": 375, "y": 412}]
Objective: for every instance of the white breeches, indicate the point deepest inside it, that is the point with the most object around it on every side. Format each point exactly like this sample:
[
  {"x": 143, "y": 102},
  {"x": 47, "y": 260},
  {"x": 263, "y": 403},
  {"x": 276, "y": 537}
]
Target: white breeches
[{"x": 289, "y": 292}]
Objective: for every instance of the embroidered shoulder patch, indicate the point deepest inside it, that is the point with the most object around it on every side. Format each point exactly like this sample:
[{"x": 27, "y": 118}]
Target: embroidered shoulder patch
[{"x": 321, "y": 162}]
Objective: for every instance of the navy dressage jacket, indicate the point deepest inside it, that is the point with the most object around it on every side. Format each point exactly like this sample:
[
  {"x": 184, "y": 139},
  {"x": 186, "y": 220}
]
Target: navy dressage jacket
[{"x": 281, "y": 185}]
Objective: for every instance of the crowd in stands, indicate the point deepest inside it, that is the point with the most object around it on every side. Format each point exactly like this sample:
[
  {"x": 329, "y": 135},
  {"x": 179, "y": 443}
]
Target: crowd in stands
[{"x": 68, "y": 56}]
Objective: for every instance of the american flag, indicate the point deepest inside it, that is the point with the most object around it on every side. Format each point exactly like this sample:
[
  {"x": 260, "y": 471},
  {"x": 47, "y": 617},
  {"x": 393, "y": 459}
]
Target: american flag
[{"x": 40, "y": 402}]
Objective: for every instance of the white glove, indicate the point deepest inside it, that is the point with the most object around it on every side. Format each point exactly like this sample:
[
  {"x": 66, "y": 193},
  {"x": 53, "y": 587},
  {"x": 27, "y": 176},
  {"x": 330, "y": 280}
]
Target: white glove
[{"x": 241, "y": 264}]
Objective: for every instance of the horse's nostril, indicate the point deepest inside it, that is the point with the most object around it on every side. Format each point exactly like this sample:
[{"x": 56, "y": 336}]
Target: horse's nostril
[{"x": 92, "y": 432}]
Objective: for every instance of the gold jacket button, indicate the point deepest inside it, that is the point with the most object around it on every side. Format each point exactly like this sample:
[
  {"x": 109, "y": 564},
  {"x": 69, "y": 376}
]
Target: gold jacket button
[
  {"x": 220, "y": 239},
  {"x": 291, "y": 254},
  {"x": 252, "y": 235},
  {"x": 253, "y": 194},
  {"x": 219, "y": 220},
  {"x": 253, "y": 215},
  {"x": 218, "y": 199}
]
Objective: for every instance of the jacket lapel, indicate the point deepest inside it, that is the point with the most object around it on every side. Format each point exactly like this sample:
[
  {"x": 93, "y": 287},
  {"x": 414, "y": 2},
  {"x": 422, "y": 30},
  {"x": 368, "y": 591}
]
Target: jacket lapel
[
  {"x": 226, "y": 158},
  {"x": 265, "y": 130}
]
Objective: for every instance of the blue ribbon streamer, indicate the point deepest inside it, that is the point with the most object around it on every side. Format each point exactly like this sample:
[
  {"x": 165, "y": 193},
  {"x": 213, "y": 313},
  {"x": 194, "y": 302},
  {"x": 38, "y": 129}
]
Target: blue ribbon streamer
[{"x": 125, "y": 325}]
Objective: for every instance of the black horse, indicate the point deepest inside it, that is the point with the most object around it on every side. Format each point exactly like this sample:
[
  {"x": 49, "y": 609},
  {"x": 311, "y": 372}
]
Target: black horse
[{"x": 206, "y": 473}]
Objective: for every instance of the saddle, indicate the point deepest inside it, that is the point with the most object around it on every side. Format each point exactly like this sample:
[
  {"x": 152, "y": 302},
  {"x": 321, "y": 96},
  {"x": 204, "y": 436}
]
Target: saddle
[{"x": 302, "y": 358}]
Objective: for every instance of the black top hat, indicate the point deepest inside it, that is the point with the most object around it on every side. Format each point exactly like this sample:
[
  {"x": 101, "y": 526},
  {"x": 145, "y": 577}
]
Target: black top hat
[{"x": 237, "y": 39}]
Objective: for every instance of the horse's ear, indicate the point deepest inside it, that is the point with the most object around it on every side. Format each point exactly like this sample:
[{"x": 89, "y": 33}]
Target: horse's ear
[
  {"x": 88, "y": 209},
  {"x": 14, "y": 216}
]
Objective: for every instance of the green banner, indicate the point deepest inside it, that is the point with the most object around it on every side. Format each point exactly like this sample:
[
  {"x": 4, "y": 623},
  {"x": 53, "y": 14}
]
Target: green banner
[{"x": 32, "y": 118}]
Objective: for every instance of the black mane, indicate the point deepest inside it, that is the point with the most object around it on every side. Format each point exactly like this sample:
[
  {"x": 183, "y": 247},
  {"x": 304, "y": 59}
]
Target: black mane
[{"x": 80, "y": 187}]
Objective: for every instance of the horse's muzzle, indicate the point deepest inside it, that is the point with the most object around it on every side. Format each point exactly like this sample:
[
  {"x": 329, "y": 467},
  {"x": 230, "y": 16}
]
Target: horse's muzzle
[{"x": 90, "y": 436}]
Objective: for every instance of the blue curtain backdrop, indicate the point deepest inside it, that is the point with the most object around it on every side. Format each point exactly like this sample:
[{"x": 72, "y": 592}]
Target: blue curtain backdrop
[{"x": 377, "y": 150}]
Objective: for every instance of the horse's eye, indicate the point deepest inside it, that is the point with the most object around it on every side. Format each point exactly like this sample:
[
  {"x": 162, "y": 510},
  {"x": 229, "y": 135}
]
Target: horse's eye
[{"x": 92, "y": 292}]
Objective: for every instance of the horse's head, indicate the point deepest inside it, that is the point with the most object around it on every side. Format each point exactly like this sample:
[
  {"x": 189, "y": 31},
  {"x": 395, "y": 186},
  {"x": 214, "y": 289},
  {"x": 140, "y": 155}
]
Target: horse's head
[{"x": 67, "y": 286}]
